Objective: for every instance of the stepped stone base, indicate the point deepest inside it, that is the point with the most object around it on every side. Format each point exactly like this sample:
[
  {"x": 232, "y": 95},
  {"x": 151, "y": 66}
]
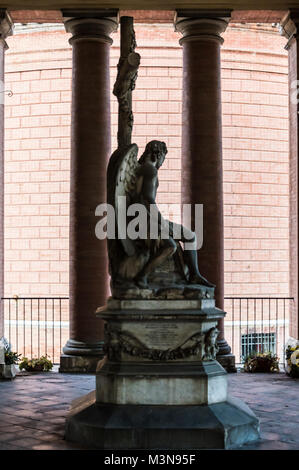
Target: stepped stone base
[{"x": 219, "y": 426}]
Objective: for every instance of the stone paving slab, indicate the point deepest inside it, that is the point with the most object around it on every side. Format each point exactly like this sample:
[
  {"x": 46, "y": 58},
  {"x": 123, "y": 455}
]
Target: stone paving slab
[{"x": 33, "y": 408}]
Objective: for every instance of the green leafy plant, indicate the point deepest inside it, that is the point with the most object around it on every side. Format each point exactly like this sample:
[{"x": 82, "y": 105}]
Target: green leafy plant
[
  {"x": 261, "y": 362},
  {"x": 42, "y": 364},
  {"x": 11, "y": 357},
  {"x": 292, "y": 361}
]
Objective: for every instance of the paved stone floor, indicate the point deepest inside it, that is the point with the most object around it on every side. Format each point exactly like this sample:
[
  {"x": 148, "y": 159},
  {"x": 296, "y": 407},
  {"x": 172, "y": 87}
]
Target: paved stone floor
[{"x": 33, "y": 409}]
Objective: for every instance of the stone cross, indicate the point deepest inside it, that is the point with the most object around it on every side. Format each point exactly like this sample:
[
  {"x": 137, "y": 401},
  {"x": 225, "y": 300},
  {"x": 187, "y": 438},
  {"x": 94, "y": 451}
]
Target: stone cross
[{"x": 125, "y": 82}]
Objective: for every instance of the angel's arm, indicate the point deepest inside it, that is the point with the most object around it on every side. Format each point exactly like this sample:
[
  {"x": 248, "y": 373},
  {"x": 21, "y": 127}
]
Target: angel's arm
[{"x": 139, "y": 183}]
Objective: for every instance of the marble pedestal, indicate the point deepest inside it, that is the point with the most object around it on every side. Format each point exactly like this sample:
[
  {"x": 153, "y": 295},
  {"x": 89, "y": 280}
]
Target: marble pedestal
[{"x": 160, "y": 385}]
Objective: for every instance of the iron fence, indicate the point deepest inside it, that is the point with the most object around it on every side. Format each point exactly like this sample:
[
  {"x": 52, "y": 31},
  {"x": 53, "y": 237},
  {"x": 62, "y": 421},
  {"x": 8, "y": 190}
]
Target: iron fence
[
  {"x": 36, "y": 326},
  {"x": 257, "y": 324}
]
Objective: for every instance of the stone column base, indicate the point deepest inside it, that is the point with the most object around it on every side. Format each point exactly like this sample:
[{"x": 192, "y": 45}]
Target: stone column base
[
  {"x": 221, "y": 425},
  {"x": 228, "y": 362},
  {"x": 79, "y": 364}
]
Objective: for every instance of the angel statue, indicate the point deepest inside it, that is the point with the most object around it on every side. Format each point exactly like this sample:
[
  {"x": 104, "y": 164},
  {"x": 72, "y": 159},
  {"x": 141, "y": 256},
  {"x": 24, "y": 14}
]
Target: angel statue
[
  {"x": 154, "y": 264},
  {"x": 145, "y": 266}
]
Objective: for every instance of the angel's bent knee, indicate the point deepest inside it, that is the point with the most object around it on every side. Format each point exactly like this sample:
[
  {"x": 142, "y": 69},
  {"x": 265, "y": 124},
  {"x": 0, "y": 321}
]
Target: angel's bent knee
[{"x": 170, "y": 246}]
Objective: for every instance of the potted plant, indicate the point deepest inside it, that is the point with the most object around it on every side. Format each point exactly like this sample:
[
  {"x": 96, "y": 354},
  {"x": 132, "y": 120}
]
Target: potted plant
[
  {"x": 42, "y": 364},
  {"x": 292, "y": 361},
  {"x": 261, "y": 362},
  {"x": 8, "y": 369}
]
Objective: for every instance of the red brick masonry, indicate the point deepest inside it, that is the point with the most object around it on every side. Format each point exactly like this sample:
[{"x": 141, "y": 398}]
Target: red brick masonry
[{"x": 255, "y": 152}]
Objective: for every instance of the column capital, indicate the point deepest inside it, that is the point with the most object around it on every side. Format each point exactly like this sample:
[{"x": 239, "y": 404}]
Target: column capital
[
  {"x": 288, "y": 27},
  {"x": 92, "y": 25},
  {"x": 6, "y": 26},
  {"x": 200, "y": 24}
]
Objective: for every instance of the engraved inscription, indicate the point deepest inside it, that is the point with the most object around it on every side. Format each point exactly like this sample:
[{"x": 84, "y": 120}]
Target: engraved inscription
[{"x": 162, "y": 335}]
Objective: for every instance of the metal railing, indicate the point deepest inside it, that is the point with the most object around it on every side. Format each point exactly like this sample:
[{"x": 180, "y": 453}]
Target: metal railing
[
  {"x": 36, "y": 326},
  {"x": 257, "y": 324}
]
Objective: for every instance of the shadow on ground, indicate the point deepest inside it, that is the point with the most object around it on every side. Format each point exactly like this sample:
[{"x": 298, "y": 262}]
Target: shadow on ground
[{"x": 33, "y": 408}]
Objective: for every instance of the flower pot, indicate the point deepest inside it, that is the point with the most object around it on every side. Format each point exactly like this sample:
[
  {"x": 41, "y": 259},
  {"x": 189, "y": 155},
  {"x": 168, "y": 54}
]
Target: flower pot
[
  {"x": 7, "y": 371},
  {"x": 292, "y": 370},
  {"x": 292, "y": 362},
  {"x": 37, "y": 368},
  {"x": 263, "y": 365}
]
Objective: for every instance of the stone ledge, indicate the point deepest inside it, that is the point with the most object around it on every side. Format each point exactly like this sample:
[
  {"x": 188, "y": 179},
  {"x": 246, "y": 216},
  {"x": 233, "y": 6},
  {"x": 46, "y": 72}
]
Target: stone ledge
[
  {"x": 116, "y": 304},
  {"x": 167, "y": 369},
  {"x": 211, "y": 313}
]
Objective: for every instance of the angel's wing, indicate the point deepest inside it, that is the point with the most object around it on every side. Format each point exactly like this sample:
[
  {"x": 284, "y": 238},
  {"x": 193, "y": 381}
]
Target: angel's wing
[
  {"x": 121, "y": 177},
  {"x": 126, "y": 175}
]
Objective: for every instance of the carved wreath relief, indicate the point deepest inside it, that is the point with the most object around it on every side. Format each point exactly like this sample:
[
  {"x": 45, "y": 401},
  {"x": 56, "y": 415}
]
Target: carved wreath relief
[{"x": 203, "y": 345}]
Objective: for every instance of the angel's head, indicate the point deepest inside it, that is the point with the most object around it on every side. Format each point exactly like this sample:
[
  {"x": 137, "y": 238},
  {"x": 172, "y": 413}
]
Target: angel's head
[{"x": 155, "y": 151}]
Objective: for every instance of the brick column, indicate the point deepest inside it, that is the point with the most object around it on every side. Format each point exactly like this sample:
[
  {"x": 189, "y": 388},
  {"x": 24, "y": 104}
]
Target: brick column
[
  {"x": 90, "y": 151},
  {"x": 289, "y": 29},
  {"x": 202, "y": 143},
  {"x": 6, "y": 27}
]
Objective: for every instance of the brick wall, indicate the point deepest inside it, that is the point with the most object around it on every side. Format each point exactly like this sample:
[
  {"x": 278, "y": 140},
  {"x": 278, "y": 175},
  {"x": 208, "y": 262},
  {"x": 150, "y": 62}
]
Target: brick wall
[{"x": 255, "y": 143}]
